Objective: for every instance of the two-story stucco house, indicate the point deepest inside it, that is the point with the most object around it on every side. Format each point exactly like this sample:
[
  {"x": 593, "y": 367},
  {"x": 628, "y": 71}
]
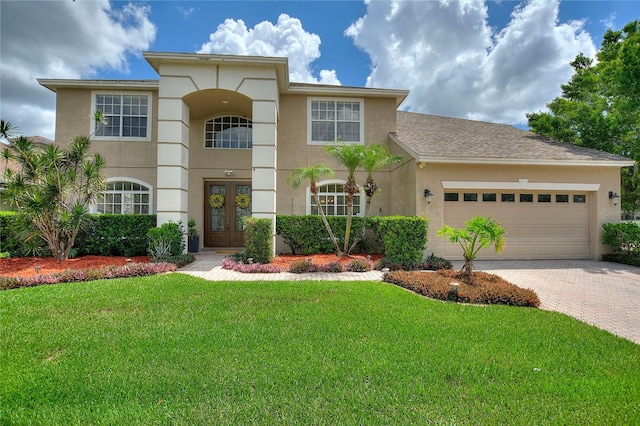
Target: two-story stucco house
[{"x": 224, "y": 126}]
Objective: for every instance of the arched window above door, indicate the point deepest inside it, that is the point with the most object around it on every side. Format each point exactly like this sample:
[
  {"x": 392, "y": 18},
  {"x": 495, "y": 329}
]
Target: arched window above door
[{"x": 229, "y": 131}]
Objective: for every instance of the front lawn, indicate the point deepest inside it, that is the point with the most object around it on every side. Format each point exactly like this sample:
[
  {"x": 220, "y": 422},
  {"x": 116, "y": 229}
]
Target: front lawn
[{"x": 174, "y": 349}]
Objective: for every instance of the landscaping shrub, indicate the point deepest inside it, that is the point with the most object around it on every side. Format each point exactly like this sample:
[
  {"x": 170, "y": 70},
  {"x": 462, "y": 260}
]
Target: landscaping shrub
[
  {"x": 358, "y": 265},
  {"x": 258, "y": 241},
  {"x": 403, "y": 239},
  {"x": 302, "y": 266},
  {"x": 435, "y": 263},
  {"x": 487, "y": 288},
  {"x": 74, "y": 275},
  {"x": 334, "y": 266},
  {"x": 15, "y": 241},
  {"x": 115, "y": 235},
  {"x": 624, "y": 238},
  {"x": 165, "y": 241},
  {"x": 234, "y": 264},
  {"x": 308, "y": 235}
]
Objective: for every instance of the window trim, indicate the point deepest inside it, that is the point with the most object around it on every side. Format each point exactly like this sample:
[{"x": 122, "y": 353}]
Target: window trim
[
  {"x": 92, "y": 122},
  {"x": 94, "y": 207},
  {"x": 334, "y": 99},
  {"x": 334, "y": 182}
]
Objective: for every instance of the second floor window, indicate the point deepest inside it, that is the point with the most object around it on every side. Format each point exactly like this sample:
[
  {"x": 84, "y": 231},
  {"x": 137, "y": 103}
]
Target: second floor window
[
  {"x": 228, "y": 132},
  {"x": 127, "y": 116},
  {"x": 335, "y": 120}
]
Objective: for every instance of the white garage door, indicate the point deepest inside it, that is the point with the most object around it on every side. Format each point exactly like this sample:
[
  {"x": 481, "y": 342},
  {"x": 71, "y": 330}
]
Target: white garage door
[{"x": 540, "y": 225}]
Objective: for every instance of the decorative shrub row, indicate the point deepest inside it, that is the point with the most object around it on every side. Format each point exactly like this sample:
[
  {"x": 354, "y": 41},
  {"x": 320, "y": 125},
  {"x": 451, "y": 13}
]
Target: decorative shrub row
[
  {"x": 249, "y": 268},
  {"x": 308, "y": 235},
  {"x": 115, "y": 235},
  {"x": 258, "y": 240},
  {"x": 403, "y": 238},
  {"x": 102, "y": 235},
  {"x": 77, "y": 275},
  {"x": 304, "y": 266},
  {"x": 431, "y": 263},
  {"x": 622, "y": 258},
  {"x": 486, "y": 289}
]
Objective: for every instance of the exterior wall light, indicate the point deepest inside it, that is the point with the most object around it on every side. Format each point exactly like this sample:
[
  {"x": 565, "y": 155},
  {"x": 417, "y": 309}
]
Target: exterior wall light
[
  {"x": 229, "y": 173},
  {"x": 614, "y": 197},
  {"x": 428, "y": 195}
]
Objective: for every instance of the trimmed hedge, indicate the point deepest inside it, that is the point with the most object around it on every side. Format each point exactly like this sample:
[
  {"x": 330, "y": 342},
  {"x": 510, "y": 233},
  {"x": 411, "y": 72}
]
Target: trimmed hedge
[
  {"x": 102, "y": 235},
  {"x": 624, "y": 238},
  {"x": 308, "y": 235},
  {"x": 258, "y": 239},
  {"x": 404, "y": 239},
  {"x": 115, "y": 235}
]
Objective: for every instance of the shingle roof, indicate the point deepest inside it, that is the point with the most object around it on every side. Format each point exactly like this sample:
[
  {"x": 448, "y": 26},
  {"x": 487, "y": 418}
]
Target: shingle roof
[{"x": 435, "y": 138}]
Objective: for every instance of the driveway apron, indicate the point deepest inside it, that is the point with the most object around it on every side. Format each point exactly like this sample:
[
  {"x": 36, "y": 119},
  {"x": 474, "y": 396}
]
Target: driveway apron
[{"x": 603, "y": 294}]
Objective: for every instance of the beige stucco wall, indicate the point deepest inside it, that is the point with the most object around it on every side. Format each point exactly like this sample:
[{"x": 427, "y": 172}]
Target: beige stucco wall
[
  {"x": 132, "y": 159},
  {"x": 601, "y": 209}
]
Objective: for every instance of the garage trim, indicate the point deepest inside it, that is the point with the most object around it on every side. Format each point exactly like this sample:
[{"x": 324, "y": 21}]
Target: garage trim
[{"x": 522, "y": 184}]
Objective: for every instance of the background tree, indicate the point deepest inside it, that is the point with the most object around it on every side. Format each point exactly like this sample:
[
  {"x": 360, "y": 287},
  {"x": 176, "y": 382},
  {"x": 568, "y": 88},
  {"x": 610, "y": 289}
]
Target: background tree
[
  {"x": 313, "y": 174},
  {"x": 478, "y": 233},
  {"x": 52, "y": 188},
  {"x": 600, "y": 106},
  {"x": 351, "y": 157}
]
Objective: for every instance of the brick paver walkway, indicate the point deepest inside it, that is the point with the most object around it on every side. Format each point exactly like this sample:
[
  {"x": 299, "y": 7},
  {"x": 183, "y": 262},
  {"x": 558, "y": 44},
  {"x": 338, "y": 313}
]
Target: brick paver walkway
[{"x": 603, "y": 294}]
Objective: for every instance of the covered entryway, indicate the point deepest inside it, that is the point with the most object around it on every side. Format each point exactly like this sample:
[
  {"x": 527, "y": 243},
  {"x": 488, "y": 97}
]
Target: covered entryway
[
  {"x": 226, "y": 204},
  {"x": 540, "y": 224}
]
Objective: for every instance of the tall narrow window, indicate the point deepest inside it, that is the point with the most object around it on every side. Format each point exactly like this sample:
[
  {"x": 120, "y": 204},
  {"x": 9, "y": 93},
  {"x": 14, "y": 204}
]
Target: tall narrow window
[{"x": 228, "y": 132}]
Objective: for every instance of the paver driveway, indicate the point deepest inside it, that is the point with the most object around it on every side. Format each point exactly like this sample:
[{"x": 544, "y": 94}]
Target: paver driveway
[{"x": 603, "y": 294}]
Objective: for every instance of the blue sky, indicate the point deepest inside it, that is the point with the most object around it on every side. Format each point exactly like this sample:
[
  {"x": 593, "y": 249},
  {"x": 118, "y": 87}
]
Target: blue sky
[{"x": 492, "y": 61}]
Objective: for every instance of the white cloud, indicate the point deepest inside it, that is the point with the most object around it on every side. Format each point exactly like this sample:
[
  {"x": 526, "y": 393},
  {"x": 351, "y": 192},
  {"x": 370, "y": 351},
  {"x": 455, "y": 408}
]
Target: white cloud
[
  {"x": 62, "y": 39},
  {"x": 455, "y": 65},
  {"x": 287, "y": 38}
]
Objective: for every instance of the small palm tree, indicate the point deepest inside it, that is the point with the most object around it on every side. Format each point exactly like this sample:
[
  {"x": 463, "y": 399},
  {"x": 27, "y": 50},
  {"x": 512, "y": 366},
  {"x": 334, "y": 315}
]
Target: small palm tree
[
  {"x": 376, "y": 157},
  {"x": 478, "y": 233},
  {"x": 313, "y": 174},
  {"x": 351, "y": 157}
]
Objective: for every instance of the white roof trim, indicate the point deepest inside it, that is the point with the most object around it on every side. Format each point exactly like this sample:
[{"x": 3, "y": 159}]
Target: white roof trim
[{"x": 522, "y": 184}]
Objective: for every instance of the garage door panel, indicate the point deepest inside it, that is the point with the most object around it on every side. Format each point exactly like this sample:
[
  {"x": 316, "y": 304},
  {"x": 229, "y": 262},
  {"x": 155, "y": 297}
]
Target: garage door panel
[{"x": 538, "y": 230}]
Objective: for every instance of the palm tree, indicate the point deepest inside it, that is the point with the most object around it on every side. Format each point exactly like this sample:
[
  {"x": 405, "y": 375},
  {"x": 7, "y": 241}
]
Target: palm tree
[
  {"x": 376, "y": 157},
  {"x": 313, "y": 174},
  {"x": 351, "y": 157}
]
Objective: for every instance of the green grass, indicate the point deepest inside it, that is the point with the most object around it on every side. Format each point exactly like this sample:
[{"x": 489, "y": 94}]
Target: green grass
[{"x": 174, "y": 349}]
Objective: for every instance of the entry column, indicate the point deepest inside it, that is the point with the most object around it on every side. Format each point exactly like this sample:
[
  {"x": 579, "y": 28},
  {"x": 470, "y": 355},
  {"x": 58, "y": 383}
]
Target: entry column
[
  {"x": 264, "y": 161},
  {"x": 173, "y": 160}
]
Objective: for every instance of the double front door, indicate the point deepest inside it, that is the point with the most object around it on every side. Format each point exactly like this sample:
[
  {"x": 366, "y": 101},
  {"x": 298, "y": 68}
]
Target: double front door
[{"x": 226, "y": 204}]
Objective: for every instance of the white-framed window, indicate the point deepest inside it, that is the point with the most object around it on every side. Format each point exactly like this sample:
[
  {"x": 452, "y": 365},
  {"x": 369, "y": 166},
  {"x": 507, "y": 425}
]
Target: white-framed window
[
  {"x": 334, "y": 199},
  {"x": 228, "y": 131},
  {"x": 125, "y": 196},
  {"x": 331, "y": 120},
  {"x": 128, "y": 115}
]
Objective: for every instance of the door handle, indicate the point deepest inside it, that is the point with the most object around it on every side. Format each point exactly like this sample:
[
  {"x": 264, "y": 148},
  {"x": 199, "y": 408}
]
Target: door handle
[{"x": 228, "y": 224}]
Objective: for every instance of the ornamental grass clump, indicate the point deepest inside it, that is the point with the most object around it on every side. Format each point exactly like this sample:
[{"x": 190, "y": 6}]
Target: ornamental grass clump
[{"x": 486, "y": 288}]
